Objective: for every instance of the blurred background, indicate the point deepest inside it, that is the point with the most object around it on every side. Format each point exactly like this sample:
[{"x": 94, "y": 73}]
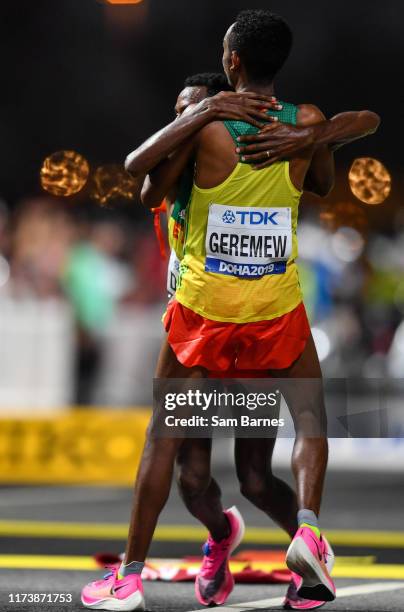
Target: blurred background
[
  {"x": 82, "y": 281},
  {"x": 81, "y": 278}
]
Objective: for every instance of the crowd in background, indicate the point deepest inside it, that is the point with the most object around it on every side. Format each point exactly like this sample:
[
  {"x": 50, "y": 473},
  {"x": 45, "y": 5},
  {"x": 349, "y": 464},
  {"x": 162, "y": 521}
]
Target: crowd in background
[
  {"x": 88, "y": 284},
  {"x": 98, "y": 261},
  {"x": 105, "y": 265}
]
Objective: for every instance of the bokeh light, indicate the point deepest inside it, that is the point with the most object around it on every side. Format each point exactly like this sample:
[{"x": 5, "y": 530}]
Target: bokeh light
[
  {"x": 4, "y": 271},
  {"x": 396, "y": 354},
  {"x": 347, "y": 244},
  {"x": 322, "y": 342},
  {"x": 370, "y": 180},
  {"x": 344, "y": 214},
  {"x": 64, "y": 173},
  {"x": 123, "y": 1},
  {"x": 111, "y": 182},
  {"x": 386, "y": 255}
]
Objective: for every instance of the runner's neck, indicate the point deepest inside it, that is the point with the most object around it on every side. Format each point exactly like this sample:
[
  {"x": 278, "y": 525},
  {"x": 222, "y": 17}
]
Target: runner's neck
[{"x": 266, "y": 90}]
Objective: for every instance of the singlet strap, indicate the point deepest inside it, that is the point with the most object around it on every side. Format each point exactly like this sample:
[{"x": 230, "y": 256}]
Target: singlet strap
[
  {"x": 184, "y": 193},
  {"x": 288, "y": 114}
]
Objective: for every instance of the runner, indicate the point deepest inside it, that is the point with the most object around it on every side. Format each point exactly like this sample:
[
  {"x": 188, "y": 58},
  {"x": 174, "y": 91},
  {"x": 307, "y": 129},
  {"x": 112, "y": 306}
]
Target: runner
[
  {"x": 231, "y": 186},
  {"x": 196, "y": 88}
]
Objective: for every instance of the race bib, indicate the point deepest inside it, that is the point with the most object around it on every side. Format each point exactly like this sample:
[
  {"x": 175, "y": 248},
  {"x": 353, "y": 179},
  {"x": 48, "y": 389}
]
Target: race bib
[
  {"x": 248, "y": 242},
  {"x": 172, "y": 273}
]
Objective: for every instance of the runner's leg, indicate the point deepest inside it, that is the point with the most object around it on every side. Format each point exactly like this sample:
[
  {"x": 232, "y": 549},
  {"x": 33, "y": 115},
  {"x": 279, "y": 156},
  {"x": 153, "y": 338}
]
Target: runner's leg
[
  {"x": 309, "y": 556},
  {"x": 199, "y": 491},
  {"x": 258, "y": 484},
  {"x": 154, "y": 476},
  {"x": 310, "y": 454}
]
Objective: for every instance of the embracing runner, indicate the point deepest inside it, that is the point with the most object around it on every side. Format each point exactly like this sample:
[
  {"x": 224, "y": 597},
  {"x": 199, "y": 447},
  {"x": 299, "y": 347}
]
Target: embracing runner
[
  {"x": 198, "y": 489},
  {"x": 216, "y": 301},
  {"x": 196, "y": 88}
]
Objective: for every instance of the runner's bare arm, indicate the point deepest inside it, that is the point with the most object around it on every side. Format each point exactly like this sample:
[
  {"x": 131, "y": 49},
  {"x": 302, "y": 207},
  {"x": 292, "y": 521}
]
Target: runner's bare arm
[
  {"x": 335, "y": 132},
  {"x": 283, "y": 140},
  {"x": 320, "y": 175},
  {"x": 162, "y": 180},
  {"x": 345, "y": 128},
  {"x": 329, "y": 136},
  {"x": 243, "y": 106}
]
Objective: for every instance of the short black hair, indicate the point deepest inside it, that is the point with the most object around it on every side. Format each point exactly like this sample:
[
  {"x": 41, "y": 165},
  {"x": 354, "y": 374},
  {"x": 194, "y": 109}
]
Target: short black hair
[
  {"x": 215, "y": 82},
  {"x": 263, "y": 41}
]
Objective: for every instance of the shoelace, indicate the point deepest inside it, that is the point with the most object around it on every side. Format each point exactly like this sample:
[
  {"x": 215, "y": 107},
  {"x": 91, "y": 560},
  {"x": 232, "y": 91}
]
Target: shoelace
[
  {"x": 325, "y": 552},
  {"x": 112, "y": 570}
]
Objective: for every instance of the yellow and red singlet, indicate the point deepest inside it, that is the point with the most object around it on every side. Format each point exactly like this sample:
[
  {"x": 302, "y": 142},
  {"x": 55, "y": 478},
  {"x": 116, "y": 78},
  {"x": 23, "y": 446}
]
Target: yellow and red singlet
[{"x": 241, "y": 246}]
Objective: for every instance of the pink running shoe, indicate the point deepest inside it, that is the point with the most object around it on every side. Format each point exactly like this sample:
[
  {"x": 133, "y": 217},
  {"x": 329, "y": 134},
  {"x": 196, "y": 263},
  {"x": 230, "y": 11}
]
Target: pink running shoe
[
  {"x": 112, "y": 593},
  {"x": 214, "y": 583},
  {"x": 292, "y": 600},
  {"x": 306, "y": 557}
]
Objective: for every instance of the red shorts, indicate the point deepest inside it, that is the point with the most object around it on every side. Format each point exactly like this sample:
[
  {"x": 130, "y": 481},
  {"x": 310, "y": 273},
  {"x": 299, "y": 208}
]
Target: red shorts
[{"x": 226, "y": 348}]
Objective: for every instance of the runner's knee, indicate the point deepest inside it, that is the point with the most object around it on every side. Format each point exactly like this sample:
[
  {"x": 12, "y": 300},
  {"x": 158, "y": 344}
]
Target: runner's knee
[
  {"x": 253, "y": 485},
  {"x": 311, "y": 423},
  {"x": 192, "y": 483}
]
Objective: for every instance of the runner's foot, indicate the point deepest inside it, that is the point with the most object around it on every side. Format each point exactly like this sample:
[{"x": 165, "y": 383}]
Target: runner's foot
[
  {"x": 307, "y": 557},
  {"x": 113, "y": 593},
  {"x": 214, "y": 583}
]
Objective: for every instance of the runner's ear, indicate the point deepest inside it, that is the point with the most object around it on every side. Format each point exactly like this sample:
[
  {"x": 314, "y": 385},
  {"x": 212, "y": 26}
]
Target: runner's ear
[{"x": 235, "y": 61}]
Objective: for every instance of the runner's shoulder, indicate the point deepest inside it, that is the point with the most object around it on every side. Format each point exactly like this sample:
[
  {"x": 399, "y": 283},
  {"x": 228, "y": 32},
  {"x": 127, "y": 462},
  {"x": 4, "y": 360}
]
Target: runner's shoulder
[
  {"x": 214, "y": 134},
  {"x": 308, "y": 114},
  {"x": 215, "y": 128}
]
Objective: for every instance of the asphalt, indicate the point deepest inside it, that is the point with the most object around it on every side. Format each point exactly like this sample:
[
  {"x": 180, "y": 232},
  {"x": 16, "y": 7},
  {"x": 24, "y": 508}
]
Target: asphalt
[
  {"x": 162, "y": 597},
  {"x": 352, "y": 501}
]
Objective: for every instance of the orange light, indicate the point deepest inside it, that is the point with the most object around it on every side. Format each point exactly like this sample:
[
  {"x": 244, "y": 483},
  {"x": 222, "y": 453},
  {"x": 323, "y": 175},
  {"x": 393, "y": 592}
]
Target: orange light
[
  {"x": 123, "y": 1},
  {"x": 64, "y": 173},
  {"x": 111, "y": 182},
  {"x": 370, "y": 181},
  {"x": 344, "y": 214}
]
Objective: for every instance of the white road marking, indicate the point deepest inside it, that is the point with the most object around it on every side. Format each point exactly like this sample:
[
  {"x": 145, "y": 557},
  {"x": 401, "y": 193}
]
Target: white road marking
[{"x": 350, "y": 591}]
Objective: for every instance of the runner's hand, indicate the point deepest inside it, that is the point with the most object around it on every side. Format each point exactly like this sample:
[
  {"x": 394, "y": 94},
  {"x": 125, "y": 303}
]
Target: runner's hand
[
  {"x": 243, "y": 106},
  {"x": 273, "y": 143}
]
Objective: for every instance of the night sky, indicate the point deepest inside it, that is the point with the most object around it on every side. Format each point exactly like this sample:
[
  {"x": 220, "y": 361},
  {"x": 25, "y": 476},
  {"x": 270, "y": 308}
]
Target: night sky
[{"x": 78, "y": 75}]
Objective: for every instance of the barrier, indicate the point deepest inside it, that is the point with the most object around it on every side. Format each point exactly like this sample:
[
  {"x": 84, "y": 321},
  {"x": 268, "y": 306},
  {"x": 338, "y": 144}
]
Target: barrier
[{"x": 92, "y": 446}]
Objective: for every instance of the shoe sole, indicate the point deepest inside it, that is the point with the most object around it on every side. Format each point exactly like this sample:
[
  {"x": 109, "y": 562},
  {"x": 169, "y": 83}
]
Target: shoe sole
[
  {"x": 287, "y": 606},
  {"x": 315, "y": 585},
  {"x": 241, "y": 529},
  {"x": 240, "y": 534},
  {"x": 133, "y": 602}
]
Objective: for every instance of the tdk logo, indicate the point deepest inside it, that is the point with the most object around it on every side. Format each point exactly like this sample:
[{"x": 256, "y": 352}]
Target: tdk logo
[
  {"x": 228, "y": 217},
  {"x": 255, "y": 217}
]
